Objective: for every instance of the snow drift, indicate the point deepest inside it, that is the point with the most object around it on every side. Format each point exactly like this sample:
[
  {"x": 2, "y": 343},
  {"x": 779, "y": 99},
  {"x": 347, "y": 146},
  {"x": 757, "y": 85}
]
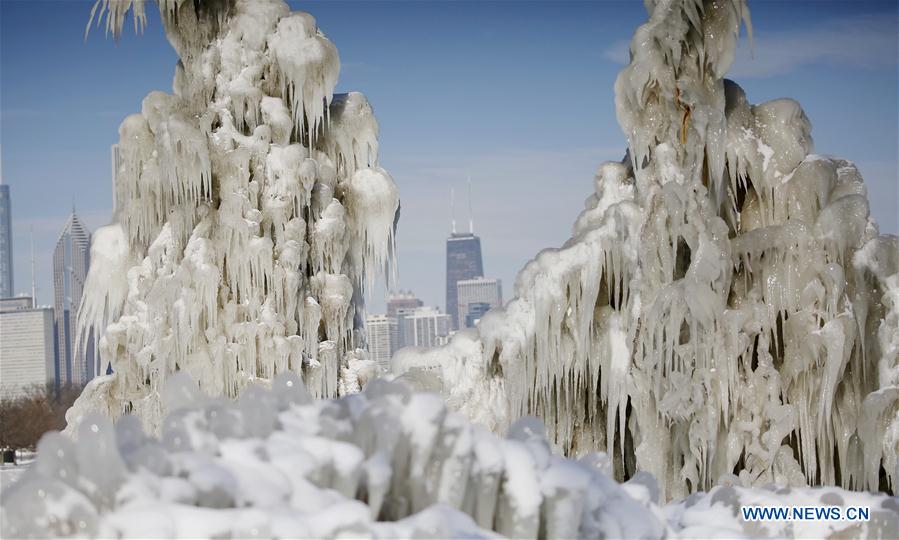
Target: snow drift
[
  {"x": 385, "y": 463},
  {"x": 725, "y": 304},
  {"x": 251, "y": 215}
]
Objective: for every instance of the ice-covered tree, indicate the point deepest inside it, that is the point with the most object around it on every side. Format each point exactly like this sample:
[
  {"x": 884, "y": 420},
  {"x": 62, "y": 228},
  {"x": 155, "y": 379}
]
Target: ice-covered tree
[
  {"x": 725, "y": 304},
  {"x": 252, "y": 214}
]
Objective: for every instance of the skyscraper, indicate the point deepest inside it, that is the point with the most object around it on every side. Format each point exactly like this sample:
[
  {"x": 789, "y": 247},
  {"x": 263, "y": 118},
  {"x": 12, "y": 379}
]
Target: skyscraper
[
  {"x": 6, "y": 283},
  {"x": 380, "y": 331},
  {"x": 463, "y": 261},
  {"x": 71, "y": 260},
  {"x": 479, "y": 290},
  {"x": 26, "y": 346}
]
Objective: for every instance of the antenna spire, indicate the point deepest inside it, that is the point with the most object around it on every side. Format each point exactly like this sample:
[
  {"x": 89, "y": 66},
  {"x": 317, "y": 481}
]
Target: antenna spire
[
  {"x": 33, "y": 282},
  {"x": 470, "y": 214},
  {"x": 453, "y": 208}
]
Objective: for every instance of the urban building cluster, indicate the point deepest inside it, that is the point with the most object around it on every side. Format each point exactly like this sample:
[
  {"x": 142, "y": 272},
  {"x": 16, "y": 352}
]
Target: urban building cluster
[
  {"x": 37, "y": 343},
  {"x": 409, "y": 323}
]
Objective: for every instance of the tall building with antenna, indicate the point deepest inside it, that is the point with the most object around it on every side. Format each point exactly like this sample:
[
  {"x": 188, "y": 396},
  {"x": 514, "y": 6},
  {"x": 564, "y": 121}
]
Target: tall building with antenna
[
  {"x": 463, "y": 260},
  {"x": 71, "y": 260},
  {"x": 6, "y": 283}
]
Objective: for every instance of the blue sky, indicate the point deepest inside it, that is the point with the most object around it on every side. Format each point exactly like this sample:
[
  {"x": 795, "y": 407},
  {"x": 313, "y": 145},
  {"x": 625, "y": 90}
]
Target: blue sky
[{"x": 517, "y": 94}]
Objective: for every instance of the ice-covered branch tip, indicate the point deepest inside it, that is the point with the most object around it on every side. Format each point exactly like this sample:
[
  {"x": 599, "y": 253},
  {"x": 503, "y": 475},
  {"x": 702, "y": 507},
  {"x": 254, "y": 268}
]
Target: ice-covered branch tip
[
  {"x": 112, "y": 13},
  {"x": 115, "y": 12}
]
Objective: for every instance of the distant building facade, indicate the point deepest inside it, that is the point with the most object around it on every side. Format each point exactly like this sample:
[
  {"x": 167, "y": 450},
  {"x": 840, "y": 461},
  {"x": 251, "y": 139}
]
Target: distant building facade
[
  {"x": 479, "y": 290},
  {"x": 26, "y": 346},
  {"x": 380, "y": 331},
  {"x": 401, "y": 300},
  {"x": 6, "y": 282},
  {"x": 475, "y": 312},
  {"x": 398, "y": 305},
  {"x": 71, "y": 261},
  {"x": 425, "y": 327},
  {"x": 463, "y": 261}
]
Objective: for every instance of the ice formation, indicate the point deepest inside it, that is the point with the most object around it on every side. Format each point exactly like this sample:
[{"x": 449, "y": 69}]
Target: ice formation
[
  {"x": 252, "y": 214},
  {"x": 725, "y": 304},
  {"x": 386, "y": 463}
]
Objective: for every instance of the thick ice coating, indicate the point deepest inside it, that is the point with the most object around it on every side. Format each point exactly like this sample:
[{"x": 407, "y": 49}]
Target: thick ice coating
[
  {"x": 252, "y": 213},
  {"x": 725, "y": 304},
  {"x": 386, "y": 463}
]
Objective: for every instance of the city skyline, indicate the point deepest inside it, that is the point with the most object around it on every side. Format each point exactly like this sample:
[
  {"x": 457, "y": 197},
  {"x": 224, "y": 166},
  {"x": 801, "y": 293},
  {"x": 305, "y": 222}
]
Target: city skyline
[
  {"x": 39, "y": 342},
  {"x": 500, "y": 147}
]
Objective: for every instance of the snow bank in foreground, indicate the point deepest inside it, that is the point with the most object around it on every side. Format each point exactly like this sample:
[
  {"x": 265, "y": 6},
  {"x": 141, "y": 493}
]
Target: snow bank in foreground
[{"x": 384, "y": 463}]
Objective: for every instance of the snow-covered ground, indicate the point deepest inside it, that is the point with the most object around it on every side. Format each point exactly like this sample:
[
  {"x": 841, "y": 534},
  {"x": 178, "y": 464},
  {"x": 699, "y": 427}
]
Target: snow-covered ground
[
  {"x": 386, "y": 463},
  {"x": 9, "y": 473}
]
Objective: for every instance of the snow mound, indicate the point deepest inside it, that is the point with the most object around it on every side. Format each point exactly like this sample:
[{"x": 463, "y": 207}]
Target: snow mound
[
  {"x": 724, "y": 305},
  {"x": 252, "y": 214},
  {"x": 386, "y": 463}
]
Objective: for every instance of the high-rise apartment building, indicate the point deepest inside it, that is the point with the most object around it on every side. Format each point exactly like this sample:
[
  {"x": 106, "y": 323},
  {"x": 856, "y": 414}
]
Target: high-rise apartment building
[
  {"x": 398, "y": 304},
  {"x": 26, "y": 346},
  {"x": 479, "y": 290},
  {"x": 71, "y": 260},
  {"x": 6, "y": 282},
  {"x": 380, "y": 331},
  {"x": 425, "y": 327}
]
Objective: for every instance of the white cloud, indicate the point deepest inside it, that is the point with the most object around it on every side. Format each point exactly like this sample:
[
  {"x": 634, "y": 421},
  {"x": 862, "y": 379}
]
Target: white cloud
[
  {"x": 618, "y": 52},
  {"x": 861, "y": 41}
]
